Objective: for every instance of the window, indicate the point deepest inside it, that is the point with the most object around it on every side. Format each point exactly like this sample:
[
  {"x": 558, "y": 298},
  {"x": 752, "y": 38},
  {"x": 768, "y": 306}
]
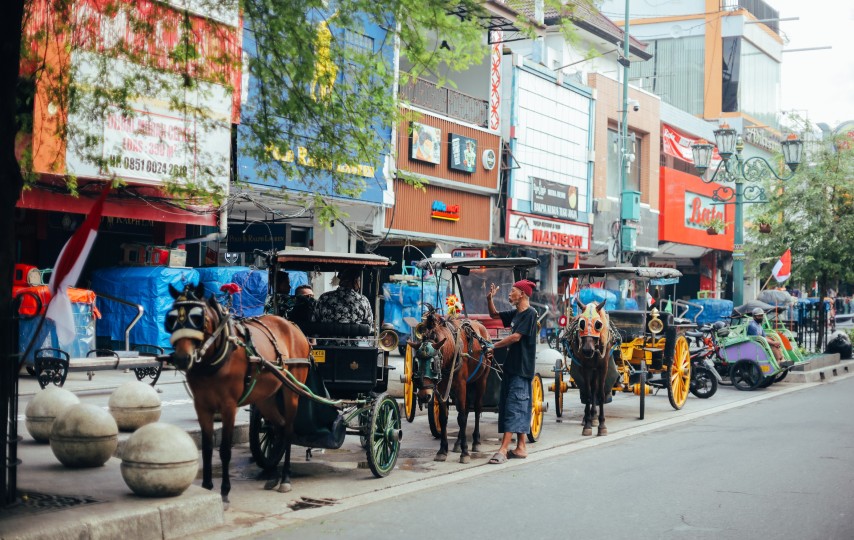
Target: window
[
  {"x": 674, "y": 73},
  {"x": 614, "y": 171}
]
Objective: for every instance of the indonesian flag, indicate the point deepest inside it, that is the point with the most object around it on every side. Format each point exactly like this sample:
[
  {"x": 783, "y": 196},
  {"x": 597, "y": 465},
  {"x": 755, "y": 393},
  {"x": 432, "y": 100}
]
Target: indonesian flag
[
  {"x": 67, "y": 271},
  {"x": 783, "y": 269},
  {"x": 649, "y": 299}
]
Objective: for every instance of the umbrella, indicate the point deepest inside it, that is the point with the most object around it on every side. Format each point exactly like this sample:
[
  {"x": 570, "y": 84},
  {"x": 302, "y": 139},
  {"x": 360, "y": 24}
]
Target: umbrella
[
  {"x": 748, "y": 307},
  {"x": 776, "y": 298}
]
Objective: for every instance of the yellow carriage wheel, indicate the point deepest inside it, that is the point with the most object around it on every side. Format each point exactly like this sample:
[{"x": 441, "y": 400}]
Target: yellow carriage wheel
[
  {"x": 537, "y": 409},
  {"x": 680, "y": 374},
  {"x": 408, "y": 387}
]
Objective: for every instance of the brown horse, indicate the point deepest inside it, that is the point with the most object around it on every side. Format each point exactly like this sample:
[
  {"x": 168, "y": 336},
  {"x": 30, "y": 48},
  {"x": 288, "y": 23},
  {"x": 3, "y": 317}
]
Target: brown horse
[
  {"x": 454, "y": 363},
  {"x": 220, "y": 356},
  {"x": 590, "y": 342}
]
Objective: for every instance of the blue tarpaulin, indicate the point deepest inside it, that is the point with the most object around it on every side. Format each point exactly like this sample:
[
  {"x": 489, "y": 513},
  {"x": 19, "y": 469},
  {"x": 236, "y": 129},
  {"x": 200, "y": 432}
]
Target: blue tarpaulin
[
  {"x": 249, "y": 302},
  {"x": 147, "y": 286},
  {"x": 404, "y": 300},
  {"x": 714, "y": 310},
  {"x": 84, "y": 337}
]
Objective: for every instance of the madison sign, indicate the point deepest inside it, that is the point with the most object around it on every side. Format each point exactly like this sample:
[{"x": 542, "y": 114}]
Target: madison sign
[{"x": 547, "y": 233}]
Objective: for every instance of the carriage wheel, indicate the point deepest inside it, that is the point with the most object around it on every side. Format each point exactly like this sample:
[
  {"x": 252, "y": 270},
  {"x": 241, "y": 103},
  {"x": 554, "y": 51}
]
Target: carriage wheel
[
  {"x": 642, "y": 381},
  {"x": 152, "y": 372},
  {"x": 408, "y": 387},
  {"x": 537, "y": 409},
  {"x": 559, "y": 392},
  {"x": 781, "y": 376},
  {"x": 385, "y": 435},
  {"x": 434, "y": 416},
  {"x": 266, "y": 442},
  {"x": 745, "y": 375},
  {"x": 680, "y": 374}
]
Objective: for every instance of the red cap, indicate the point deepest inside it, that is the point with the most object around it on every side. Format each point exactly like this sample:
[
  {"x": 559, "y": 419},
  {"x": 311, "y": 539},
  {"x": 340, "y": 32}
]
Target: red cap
[{"x": 525, "y": 286}]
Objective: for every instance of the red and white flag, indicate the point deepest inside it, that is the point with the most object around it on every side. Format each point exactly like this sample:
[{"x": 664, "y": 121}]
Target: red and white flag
[
  {"x": 67, "y": 271},
  {"x": 783, "y": 269}
]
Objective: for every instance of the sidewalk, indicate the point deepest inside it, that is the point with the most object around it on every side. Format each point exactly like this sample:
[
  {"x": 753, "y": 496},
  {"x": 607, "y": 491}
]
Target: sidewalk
[{"x": 96, "y": 503}]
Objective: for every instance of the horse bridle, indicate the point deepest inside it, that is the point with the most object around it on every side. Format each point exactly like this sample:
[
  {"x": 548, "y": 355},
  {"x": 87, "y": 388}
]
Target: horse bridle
[{"x": 186, "y": 320}]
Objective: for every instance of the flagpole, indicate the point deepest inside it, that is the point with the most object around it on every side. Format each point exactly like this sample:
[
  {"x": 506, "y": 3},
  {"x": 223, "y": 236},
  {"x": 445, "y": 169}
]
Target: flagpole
[{"x": 766, "y": 283}]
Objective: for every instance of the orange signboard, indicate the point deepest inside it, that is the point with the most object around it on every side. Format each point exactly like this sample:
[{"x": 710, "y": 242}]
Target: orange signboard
[{"x": 687, "y": 205}]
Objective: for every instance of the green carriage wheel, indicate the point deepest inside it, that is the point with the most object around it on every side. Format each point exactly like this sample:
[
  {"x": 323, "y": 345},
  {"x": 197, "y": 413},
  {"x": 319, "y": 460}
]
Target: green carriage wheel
[
  {"x": 384, "y": 437},
  {"x": 266, "y": 441}
]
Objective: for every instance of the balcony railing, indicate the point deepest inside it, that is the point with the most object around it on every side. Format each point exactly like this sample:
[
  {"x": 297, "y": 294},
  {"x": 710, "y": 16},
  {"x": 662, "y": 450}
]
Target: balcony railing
[{"x": 445, "y": 101}]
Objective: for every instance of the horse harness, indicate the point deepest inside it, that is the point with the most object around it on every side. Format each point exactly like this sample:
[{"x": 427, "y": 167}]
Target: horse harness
[
  {"x": 447, "y": 373},
  {"x": 187, "y": 321}
]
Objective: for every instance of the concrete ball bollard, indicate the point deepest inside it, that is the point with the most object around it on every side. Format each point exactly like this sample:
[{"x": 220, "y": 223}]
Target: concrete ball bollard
[
  {"x": 134, "y": 404},
  {"x": 84, "y": 436},
  {"x": 159, "y": 460},
  {"x": 43, "y": 409}
]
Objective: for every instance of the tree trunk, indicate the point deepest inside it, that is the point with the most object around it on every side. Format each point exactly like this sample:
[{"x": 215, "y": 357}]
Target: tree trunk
[{"x": 12, "y": 15}]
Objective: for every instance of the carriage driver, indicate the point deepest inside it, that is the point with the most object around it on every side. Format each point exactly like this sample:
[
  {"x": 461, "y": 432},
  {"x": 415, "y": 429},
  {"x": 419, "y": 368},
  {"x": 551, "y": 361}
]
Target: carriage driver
[
  {"x": 514, "y": 405},
  {"x": 755, "y": 328}
]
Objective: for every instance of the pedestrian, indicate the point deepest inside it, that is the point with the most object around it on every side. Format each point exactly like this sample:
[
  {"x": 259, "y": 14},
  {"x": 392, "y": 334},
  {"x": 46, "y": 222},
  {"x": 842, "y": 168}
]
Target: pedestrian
[{"x": 514, "y": 405}]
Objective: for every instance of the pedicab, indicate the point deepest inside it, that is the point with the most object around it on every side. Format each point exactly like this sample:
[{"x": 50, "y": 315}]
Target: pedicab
[
  {"x": 469, "y": 280},
  {"x": 749, "y": 360},
  {"x": 650, "y": 352},
  {"x": 346, "y": 390}
]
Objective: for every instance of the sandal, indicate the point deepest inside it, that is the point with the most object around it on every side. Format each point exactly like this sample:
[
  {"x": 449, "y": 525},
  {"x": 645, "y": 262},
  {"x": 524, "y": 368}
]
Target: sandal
[
  {"x": 498, "y": 459},
  {"x": 513, "y": 455}
]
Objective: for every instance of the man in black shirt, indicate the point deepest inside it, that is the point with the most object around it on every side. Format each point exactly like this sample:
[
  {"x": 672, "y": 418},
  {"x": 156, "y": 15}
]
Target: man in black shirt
[{"x": 514, "y": 406}]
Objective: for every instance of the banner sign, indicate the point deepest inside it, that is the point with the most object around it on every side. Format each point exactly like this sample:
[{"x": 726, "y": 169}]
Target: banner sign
[
  {"x": 554, "y": 199},
  {"x": 678, "y": 145},
  {"x": 546, "y": 233},
  {"x": 463, "y": 153},
  {"x": 426, "y": 143}
]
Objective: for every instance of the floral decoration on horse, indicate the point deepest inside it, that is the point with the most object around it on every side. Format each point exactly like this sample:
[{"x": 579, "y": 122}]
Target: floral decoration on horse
[{"x": 453, "y": 305}]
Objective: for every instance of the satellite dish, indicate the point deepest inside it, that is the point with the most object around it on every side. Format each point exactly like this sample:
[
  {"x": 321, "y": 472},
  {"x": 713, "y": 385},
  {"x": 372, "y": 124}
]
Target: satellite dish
[{"x": 676, "y": 31}]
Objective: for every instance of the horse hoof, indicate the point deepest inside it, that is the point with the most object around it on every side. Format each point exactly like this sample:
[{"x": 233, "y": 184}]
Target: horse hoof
[
  {"x": 456, "y": 449},
  {"x": 465, "y": 459},
  {"x": 475, "y": 448},
  {"x": 272, "y": 483},
  {"x": 285, "y": 487},
  {"x": 586, "y": 432},
  {"x": 440, "y": 457},
  {"x": 225, "y": 505},
  {"x": 602, "y": 431}
]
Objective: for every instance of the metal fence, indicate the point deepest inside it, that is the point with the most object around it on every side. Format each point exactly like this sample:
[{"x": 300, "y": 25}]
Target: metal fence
[
  {"x": 445, "y": 101},
  {"x": 806, "y": 321}
]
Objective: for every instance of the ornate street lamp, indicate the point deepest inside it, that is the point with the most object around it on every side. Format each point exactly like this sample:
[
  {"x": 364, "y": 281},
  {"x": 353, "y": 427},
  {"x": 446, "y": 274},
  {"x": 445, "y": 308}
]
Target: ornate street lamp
[{"x": 737, "y": 171}]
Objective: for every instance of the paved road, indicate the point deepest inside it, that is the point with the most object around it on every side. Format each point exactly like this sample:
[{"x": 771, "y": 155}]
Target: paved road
[{"x": 779, "y": 468}]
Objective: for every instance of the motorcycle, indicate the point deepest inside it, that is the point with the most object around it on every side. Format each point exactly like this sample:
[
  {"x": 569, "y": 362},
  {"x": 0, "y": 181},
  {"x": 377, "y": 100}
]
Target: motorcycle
[{"x": 704, "y": 375}]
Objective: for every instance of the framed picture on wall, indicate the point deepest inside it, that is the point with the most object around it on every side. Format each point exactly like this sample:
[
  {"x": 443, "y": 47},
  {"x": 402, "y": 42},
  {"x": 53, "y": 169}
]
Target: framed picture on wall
[
  {"x": 463, "y": 153},
  {"x": 426, "y": 143}
]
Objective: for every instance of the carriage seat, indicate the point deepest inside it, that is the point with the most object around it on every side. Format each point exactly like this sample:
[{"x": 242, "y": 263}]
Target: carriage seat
[
  {"x": 335, "y": 329},
  {"x": 628, "y": 322}
]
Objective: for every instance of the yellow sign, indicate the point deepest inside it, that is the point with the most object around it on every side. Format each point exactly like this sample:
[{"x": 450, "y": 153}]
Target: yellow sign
[
  {"x": 305, "y": 159},
  {"x": 319, "y": 356}
]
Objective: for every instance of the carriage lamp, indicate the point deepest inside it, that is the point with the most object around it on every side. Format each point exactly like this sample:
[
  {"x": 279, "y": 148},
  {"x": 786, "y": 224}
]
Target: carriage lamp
[{"x": 755, "y": 170}]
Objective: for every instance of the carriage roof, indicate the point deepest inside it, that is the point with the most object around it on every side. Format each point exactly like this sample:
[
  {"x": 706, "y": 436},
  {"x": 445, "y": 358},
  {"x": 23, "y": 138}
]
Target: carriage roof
[
  {"x": 476, "y": 262},
  {"x": 624, "y": 272},
  {"x": 327, "y": 261}
]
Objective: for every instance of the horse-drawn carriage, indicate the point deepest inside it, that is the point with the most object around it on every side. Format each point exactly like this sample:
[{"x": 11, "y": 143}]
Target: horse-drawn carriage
[
  {"x": 308, "y": 385},
  {"x": 460, "y": 305},
  {"x": 649, "y": 350}
]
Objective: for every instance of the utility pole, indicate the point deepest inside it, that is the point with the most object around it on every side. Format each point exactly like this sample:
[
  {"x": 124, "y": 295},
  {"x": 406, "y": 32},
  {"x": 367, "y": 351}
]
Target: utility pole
[{"x": 629, "y": 199}]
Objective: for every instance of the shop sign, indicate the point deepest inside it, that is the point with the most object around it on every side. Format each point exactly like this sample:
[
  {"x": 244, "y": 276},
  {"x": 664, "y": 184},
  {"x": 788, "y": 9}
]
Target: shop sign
[
  {"x": 426, "y": 143},
  {"x": 449, "y": 212},
  {"x": 469, "y": 253},
  {"x": 661, "y": 264},
  {"x": 488, "y": 159},
  {"x": 463, "y": 153},
  {"x": 678, "y": 145},
  {"x": 761, "y": 137},
  {"x": 554, "y": 199},
  {"x": 304, "y": 158},
  {"x": 547, "y": 233},
  {"x": 699, "y": 210}
]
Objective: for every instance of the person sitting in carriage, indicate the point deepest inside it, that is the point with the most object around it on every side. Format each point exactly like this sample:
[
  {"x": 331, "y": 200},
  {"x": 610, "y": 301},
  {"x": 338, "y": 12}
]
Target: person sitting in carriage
[
  {"x": 304, "y": 303},
  {"x": 345, "y": 305},
  {"x": 755, "y": 328}
]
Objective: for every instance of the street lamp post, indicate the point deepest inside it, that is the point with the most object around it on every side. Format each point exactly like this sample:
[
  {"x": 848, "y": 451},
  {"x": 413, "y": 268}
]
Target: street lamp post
[{"x": 738, "y": 171}]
